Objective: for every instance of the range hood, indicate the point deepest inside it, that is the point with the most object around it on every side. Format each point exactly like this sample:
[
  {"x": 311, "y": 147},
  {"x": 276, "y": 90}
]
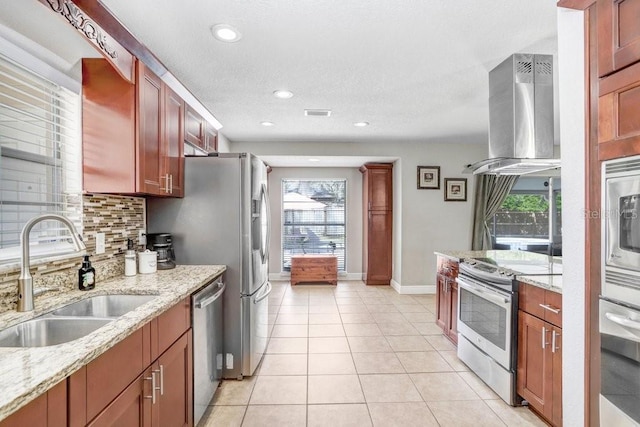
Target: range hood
[{"x": 520, "y": 117}]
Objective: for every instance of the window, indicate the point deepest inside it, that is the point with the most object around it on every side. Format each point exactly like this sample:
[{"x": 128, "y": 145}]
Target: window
[
  {"x": 522, "y": 222},
  {"x": 314, "y": 219},
  {"x": 39, "y": 160}
]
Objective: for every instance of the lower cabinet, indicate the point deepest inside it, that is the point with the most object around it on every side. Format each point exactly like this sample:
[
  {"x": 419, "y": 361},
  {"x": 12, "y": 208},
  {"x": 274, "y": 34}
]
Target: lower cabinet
[
  {"x": 447, "y": 298},
  {"x": 48, "y": 410},
  {"x": 539, "y": 376},
  {"x": 130, "y": 408}
]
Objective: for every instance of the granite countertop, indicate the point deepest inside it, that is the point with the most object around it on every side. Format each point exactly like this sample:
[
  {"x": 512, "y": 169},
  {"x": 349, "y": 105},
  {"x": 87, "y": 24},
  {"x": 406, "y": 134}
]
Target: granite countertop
[
  {"x": 529, "y": 267},
  {"x": 26, "y": 373}
]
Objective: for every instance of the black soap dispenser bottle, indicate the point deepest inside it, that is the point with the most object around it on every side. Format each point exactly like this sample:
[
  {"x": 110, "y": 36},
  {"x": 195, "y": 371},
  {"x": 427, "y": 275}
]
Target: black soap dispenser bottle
[{"x": 86, "y": 275}]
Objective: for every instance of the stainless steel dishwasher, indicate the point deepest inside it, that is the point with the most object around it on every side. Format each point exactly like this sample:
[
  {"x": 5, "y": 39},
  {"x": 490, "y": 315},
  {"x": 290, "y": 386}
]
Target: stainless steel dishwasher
[{"x": 207, "y": 312}]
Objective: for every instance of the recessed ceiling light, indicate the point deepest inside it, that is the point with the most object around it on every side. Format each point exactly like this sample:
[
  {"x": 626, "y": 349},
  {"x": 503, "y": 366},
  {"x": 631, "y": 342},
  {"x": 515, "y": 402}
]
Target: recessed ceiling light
[
  {"x": 314, "y": 160},
  {"x": 361, "y": 124},
  {"x": 226, "y": 33},
  {"x": 283, "y": 94},
  {"x": 266, "y": 123}
]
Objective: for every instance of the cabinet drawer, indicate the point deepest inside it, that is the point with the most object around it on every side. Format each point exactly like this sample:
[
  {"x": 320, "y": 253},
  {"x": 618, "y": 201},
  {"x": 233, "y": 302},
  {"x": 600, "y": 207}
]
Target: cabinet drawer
[
  {"x": 618, "y": 35},
  {"x": 169, "y": 326},
  {"x": 542, "y": 303}
]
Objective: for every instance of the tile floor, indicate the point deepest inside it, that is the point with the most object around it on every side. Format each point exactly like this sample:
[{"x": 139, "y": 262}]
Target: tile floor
[{"x": 353, "y": 355}]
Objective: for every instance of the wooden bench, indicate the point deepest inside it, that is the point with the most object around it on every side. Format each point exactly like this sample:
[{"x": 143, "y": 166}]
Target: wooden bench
[{"x": 314, "y": 268}]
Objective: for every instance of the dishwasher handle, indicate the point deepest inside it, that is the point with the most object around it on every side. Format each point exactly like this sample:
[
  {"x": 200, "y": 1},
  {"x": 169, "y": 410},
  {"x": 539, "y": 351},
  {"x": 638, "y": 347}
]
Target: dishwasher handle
[{"x": 206, "y": 301}]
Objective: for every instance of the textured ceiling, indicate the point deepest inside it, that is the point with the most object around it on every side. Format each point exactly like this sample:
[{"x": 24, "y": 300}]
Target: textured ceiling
[{"x": 414, "y": 69}]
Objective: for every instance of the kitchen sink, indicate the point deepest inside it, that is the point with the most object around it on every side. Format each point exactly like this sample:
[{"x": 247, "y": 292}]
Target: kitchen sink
[
  {"x": 104, "y": 306},
  {"x": 46, "y": 331}
]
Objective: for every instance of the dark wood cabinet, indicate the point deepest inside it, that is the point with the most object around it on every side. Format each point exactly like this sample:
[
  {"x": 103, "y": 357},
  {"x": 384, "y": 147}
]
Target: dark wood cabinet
[
  {"x": 132, "y": 407},
  {"x": 193, "y": 127},
  {"x": 378, "y": 223},
  {"x": 210, "y": 138},
  {"x": 133, "y": 136},
  {"x": 618, "y": 34},
  {"x": 48, "y": 410},
  {"x": 447, "y": 298},
  {"x": 539, "y": 372},
  {"x": 175, "y": 400}
]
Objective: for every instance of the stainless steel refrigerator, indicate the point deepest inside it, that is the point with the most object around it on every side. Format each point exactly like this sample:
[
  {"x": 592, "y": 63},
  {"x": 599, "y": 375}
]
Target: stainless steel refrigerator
[{"x": 224, "y": 219}]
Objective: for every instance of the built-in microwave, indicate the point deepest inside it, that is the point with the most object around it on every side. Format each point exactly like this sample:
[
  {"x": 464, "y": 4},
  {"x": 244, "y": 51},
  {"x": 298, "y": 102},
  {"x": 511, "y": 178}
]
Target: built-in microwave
[{"x": 620, "y": 218}]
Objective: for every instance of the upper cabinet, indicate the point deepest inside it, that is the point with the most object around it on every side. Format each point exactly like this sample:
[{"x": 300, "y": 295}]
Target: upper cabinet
[
  {"x": 377, "y": 184},
  {"x": 198, "y": 132},
  {"x": 133, "y": 135},
  {"x": 618, "y": 34}
]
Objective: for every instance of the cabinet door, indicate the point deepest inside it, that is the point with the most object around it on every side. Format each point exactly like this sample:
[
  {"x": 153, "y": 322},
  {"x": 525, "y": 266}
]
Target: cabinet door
[
  {"x": 173, "y": 143},
  {"x": 176, "y": 372},
  {"x": 379, "y": 248},
  {"x": 380, "y": 191},
  {"x": 210, "y": 138},
  {"x": 48, "y": 410},
  {"x": 132, "y": 407},
  {"x": 193, "y": 127},
  {"x": 452, "y": 330},
  {"x": 149, "y": 133},
  {"x": 618, "y": 34},
  {"x": 556, "y": 385},
  {"x": 442, "y": 312}
]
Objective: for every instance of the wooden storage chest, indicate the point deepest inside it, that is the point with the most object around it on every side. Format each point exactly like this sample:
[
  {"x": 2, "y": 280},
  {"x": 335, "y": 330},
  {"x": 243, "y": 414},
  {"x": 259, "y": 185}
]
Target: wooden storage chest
[{"x": 314, "y": 268}]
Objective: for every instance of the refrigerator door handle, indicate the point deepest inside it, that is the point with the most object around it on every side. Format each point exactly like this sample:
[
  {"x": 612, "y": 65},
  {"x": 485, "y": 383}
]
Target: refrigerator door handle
[
  {"x": 267, "y": 291},
  {"x": 265, "y": 197}
]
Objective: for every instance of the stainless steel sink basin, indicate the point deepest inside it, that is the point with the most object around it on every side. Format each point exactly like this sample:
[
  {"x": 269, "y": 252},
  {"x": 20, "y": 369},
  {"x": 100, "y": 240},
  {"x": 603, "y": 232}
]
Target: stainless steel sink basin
[
  {"x": 104, "y": 306},
  {"x": 46, "y": 331}
]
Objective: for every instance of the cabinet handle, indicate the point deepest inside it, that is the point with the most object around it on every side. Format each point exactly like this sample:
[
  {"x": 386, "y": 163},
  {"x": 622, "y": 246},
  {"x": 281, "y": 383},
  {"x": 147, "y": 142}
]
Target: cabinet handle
[
  {"x": 153, "y": 387},
  {"x": 554, "y": 334},
  {"x": 551, "y": 309},
  {"x": 161, "y": 380},
  {"x": 544, "y": 337},
  {"x": 166, "y": 183},
  {"x": 170, "y": 183}
]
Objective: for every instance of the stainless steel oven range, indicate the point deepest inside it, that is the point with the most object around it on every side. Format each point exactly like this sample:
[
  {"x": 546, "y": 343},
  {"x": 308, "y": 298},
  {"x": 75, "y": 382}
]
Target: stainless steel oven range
[{"x": 487, "y": 316}]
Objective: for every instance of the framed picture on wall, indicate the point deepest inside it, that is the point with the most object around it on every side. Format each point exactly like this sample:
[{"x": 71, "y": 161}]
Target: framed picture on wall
[
  {"x": 428, "y": 177},
  {"x": 455, "y": 189}
]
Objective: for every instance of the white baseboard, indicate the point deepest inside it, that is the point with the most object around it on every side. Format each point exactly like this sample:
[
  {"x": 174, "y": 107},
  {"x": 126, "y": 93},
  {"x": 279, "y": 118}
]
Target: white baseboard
[{"x": 413, "y": 290}]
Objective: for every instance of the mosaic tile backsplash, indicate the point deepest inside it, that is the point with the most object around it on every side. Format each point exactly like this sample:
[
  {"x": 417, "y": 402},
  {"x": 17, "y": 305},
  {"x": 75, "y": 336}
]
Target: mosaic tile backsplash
[{"x": 119, "y": 217}]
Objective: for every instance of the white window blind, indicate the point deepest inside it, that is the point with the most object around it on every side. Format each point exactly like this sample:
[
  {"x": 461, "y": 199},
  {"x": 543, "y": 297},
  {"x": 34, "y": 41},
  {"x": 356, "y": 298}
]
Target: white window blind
[
  {"x": 40, "y": 160},
  {"x": 314, "y": 219}
]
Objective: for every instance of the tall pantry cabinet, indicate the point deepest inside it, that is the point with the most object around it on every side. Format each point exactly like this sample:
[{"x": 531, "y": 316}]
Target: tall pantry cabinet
[{"x": 378, "y": 222}]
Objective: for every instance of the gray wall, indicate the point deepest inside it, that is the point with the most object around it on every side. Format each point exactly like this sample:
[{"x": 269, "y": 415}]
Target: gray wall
[{"x": 423, "y": 221}]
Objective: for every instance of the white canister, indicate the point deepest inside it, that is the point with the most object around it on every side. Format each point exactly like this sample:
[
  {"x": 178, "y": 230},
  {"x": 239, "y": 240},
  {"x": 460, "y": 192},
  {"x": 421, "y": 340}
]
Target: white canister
[{"x": 147, "y": 262}]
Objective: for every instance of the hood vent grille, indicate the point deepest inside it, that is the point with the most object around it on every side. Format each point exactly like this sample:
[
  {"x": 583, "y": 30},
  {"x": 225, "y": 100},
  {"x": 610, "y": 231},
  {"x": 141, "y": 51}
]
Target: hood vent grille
[{"x": 317, "y": 113}]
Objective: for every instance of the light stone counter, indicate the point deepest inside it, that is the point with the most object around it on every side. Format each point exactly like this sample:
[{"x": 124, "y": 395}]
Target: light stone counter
[
  {"x": 26, "y": 373},
  {"x": 550, "y": 282}
]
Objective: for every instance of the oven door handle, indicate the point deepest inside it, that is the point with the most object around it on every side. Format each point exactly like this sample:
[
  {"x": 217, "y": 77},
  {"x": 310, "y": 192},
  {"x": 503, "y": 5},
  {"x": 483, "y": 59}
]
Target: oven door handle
[
  {"x": 623, "y": 321},
  {"x": 483, "y": 293}
]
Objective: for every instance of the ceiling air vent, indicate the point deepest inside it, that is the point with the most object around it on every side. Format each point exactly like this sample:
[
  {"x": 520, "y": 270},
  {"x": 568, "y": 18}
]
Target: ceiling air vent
[{"x": 317, "y": 113}]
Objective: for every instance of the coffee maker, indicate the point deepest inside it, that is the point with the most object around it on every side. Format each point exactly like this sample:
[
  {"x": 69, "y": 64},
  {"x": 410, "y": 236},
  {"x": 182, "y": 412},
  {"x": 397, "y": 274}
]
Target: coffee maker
[{"x": 161, "y": 244}]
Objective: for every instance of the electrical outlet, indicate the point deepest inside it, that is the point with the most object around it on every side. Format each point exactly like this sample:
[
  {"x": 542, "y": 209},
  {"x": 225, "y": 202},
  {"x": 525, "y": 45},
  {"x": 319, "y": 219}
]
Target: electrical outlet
[
  {"x": 100, "y": 244},
  {"x": 142, "y": 237}
]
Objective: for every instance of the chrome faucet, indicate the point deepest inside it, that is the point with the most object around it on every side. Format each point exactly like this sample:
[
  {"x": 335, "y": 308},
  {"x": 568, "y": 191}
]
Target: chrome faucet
[{"x": 25, "y": 282}]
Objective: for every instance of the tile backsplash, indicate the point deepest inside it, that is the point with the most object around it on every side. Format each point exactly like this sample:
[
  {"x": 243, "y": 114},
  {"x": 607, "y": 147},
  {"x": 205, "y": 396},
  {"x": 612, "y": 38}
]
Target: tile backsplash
[{"x": 119, "y": 217}]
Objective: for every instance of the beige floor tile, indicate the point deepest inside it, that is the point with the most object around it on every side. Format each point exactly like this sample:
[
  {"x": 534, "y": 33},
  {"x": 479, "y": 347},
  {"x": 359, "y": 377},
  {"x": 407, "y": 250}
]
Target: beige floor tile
[
  {"x": 346, "y": 292},
  {"x": 279, "y": 390},
  {"x": 414, "y": 414},
  {"x": 292, "y": 319},
  {"x": 343, "y": 415},
  {"x": 412, "y": 308},
  {"x": 323, "y": 309},
  {"x": 351, "y": 300},
  {"x": 443, "y": 386},
  {"x": 389, "y": 388},
  {"x": 324, "y": 319},
  {"x": 356, "y": 318},
  {"x": 369, "y": 344},
  {"x": 403, "y": 299},
  {"x": 326, "y": 331},
  {"x": 420, "y": 317},
  {"x": 382, "y": 308},
  {"x": 427, "y": 328},
  {"x": 481, "y": 389},
  {"x": 295, "y": 300},
  {"x": 515, "y": 417},
  {"x": 439, "y": 342},
  {"x": 362, "y": 330},
  {"x": 377, "y": 363},
  {"x": 451, "y": 357},
  {"x": 322, "y": 301},
  {"x": 275, "y": 415},
  {"x": 294, "y": 309},
  {"x": 328, "y": 345},
  {"x": 287, "y": 345},
  {"x": 331, "y": 364},
  {"x": 284, "y": 364},
  {"x": 409, "y": 343},
  {"x": 334, "y": 389},
  {"x": 375, "y": 300},
  {"x": 290, "y": 331},
  {"x": 423, "y": 361},
  {"x": 400, "y": 328},
  {"x": 223, "y": 416},
  {"x": 233, "y": 392},
  {"x": 388, "y": 317},
  {"x": 353, "y": 308},
  {"x": 463, "y": 414}
]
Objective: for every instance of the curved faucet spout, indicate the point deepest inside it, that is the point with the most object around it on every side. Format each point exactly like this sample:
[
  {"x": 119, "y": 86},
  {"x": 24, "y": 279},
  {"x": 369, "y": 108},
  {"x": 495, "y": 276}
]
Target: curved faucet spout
[{"x": 25, "y": 282}]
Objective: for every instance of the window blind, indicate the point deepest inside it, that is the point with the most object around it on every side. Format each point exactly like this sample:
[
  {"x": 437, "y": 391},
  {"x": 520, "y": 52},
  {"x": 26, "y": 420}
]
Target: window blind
[{"x": 40, "y": 160}]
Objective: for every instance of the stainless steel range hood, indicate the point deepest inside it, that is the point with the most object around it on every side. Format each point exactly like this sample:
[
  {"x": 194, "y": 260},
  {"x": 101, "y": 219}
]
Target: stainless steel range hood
[{"x": 520, "y": 117}]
